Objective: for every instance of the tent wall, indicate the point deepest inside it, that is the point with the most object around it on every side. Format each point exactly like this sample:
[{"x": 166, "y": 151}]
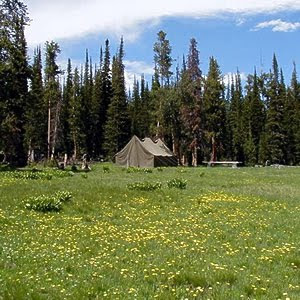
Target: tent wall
[
  {"x": 165, "y": 161},
  {"x": 145, "y": 154},
  {"x": 134, "y": 155}
]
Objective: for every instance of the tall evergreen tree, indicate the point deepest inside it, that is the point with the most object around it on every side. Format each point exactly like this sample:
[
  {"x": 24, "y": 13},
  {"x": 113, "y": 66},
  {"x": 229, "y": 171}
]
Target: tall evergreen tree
[
  {"x": 162, "y": 58},
  {"x": 135, "y": 109},
  {"x": 75, "y": 121},
  {"x": 192, "y": 102},
  {"x": 254, "y": 115},
  {"x": 97, "y": 98},
  {"x": 52, "y": 95},
  {"x": 214, "y": 112},
  {"x": 106, "y": 96},
  {"x": 274, "y": 123},
  {"x": 87, "y": 95},
  {"x": 65, "y": 111},
  {"x": 14, "y": 75},
  {"x": 146, "y": 108},
  {"x": 117, "y": 128},
  {"x": 292, "y": 121},
  {"x": 163, "y": 63},
  {"x": 36, "y": 111},
  {"x": 236, "y": 118}
]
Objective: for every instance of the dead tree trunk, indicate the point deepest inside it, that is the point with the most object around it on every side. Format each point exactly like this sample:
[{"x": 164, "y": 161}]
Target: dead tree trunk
[
  {"x": 195, "y": 157},
  {"x": 49, "y": 130}
]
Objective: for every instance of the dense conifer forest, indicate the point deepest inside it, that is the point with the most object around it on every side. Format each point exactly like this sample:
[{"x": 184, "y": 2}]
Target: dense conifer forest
[{"x": 46, "y": 112}]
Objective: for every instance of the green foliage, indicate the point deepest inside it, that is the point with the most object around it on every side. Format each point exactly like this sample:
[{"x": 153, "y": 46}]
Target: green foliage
[
  {"x": 52, "y": 94},
  {"x": 182, "y": 170},
  {"x": 36, "y": 174},
  {"x": 74, "y": 168},
  {"x": 36, "y": 109},
  {"x": 275, "y": 135},
  {"x": 92, "y": 113},
  {"x": 144, "y": 186},
  {"x": 236, "y": 118},
  {"x": 162, "y": 58},
  {"x": 139, "y": 170},
  {"x": 117, "y": 127},
  {"x": 214, "y": 110},
  {"x": 46, "y": 203},
  {"x": 14, "y": 77},
  {"x": 177, "y": 183},
  {"x": 106, "y": 169},
  {"x": 63, "y": 196},
  {"x": 43, "y": 203}
]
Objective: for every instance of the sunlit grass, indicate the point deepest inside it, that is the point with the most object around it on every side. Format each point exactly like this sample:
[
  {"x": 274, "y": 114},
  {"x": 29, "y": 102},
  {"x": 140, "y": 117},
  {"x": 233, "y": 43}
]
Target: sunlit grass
[{"x": 231, "y": 234}]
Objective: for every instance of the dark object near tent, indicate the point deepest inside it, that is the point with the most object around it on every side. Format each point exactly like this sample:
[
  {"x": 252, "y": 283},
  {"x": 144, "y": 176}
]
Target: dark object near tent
[{"x": 146, "y": 154}]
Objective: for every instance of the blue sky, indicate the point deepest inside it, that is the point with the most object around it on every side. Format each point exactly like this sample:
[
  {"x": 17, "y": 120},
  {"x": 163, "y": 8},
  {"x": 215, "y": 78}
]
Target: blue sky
[{"x": 240, "y": 34}]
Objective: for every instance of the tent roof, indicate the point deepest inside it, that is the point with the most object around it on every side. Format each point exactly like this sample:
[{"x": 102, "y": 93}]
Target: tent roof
[{"x": 157, "y": 148}]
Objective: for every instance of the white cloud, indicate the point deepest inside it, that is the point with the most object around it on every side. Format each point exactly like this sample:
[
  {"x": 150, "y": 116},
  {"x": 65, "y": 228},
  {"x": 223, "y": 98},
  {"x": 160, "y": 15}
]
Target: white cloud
[
  {"x": 136, "y": 69},
  {"x": 240, "y": 21},
  {"x": 228, "y": 76},
  {"x": 278, "y": 26},
  {"x": 62, "y": 19}
]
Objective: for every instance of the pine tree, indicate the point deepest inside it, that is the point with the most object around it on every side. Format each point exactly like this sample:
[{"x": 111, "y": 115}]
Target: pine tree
[
  {"x": 156, "y": 100},
  {"x": 274, "y": 123},
  {"x": 145, "y": 108},
  {"x": 135, "y": 110},
  {"x": 214, "y": 112},
  {"x": 14, "y": 75},
  {"x": 75, "y": 121},
  {"x": 97, "y": 98},
  {"x": 254, "y": 113},
  {"x": 36, "y": 111},
  {"x": 192, "y": 102},
  {"x": 52, "y": 95},
  {"x": 87, "y": 105},
  {"x": 228, "y": 138},
  {"x": 172, "y": 119},
  {"x": 117, "y": 128},
  {"x": 65, "y": 111},
  {"x": 292, "y": 121},
  {"x": 105, "y": 98},
  {"x": 163, "y": 73},
  {"x": 236, "y": 118},
  {"x": 162, "y": 58}
]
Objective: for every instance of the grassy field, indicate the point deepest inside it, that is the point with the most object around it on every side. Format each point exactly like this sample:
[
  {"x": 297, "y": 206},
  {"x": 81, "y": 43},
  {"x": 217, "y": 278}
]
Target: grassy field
[{"x": 231, "y": 234}]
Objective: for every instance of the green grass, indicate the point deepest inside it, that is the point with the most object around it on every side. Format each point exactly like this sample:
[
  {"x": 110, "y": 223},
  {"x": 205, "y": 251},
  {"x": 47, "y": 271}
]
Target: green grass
[{"x": 231, "y": 234}]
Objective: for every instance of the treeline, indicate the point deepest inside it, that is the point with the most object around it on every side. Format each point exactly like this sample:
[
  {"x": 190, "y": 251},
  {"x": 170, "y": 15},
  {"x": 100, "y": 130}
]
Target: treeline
[{"x": 45, "y": 111}]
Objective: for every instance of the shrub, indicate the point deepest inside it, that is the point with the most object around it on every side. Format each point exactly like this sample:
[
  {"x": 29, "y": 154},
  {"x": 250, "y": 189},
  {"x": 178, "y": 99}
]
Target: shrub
[
  {"x": 177, "y": 183},
  {"x": 44, "y": 203},
  {"x": 36, "y": 174},
  {"x": 106, "y": 169},
  {"x": 160, "y": 169},
  {"x": 73, "y": 168},
  {"x": 63, "y": 196},
  {"x": 144, "y": 186},
  {"x": 138, "y": 170}
]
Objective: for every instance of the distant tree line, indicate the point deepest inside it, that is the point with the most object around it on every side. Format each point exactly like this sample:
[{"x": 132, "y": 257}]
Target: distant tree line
[{"x": 45, "y": 111}]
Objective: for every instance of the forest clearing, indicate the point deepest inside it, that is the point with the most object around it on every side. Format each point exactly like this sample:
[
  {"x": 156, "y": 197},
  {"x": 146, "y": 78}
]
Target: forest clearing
[{"x": 163, "y": 233}]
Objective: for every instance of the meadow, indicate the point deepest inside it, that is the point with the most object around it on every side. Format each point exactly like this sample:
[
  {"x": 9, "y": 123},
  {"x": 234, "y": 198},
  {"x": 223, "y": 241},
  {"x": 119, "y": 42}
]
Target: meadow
[{"x": 221, "y": 233}]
